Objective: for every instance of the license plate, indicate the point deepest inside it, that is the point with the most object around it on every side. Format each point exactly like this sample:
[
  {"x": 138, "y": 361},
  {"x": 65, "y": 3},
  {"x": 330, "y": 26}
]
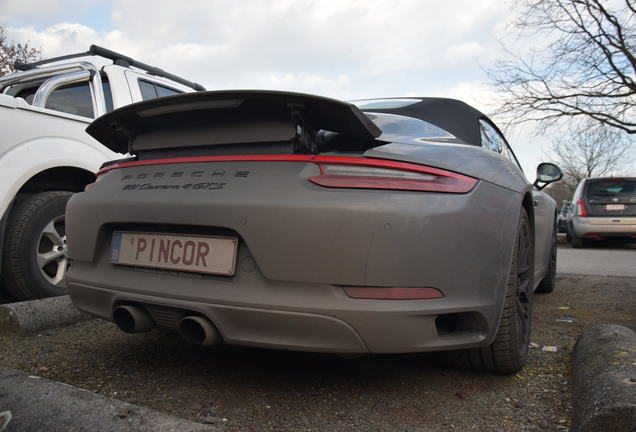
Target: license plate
[
  {"x": 200, "y": 254},
  {"x": 614, "y": 206}
]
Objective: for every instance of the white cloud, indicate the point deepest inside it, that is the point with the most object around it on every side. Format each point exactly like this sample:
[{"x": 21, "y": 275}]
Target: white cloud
[
  {"x": 352, "y": 49},
  {"x": 58, "y": 39},
  {"x": 340, "y": 49},
  {"x": 461, "y": 53},
  {"x": 37, "y": 11}
]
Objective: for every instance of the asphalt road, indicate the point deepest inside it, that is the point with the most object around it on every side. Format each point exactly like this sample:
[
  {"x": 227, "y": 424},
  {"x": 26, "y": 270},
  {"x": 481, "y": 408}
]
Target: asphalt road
[
  {"x": 244, "y": 390},
  {"x": 602, "y": 259}
]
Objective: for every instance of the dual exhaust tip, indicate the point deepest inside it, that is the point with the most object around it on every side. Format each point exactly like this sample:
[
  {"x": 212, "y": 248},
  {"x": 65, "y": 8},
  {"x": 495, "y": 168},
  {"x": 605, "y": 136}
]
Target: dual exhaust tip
[{"x": 194, "y": 329}]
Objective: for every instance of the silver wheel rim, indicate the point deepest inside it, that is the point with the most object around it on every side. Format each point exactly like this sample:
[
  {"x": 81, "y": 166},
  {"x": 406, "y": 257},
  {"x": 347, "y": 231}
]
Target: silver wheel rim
[{"x": 51, "y": 251}]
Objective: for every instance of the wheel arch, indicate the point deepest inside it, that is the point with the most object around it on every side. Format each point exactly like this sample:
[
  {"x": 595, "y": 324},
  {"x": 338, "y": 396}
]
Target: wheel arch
[
  {"x": 528, "y": 204},
  {"x": 65, "y": 178}
]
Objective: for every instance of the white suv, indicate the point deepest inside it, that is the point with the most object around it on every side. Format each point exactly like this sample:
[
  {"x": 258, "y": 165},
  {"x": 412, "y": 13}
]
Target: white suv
[{"x": 46, "y": 155}]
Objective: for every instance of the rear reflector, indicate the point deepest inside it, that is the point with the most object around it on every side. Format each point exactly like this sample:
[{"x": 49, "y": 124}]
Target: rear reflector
[
  {"x": 344, "y": 172},
  {"x": 591, "y": 236},
  {"x": 384, "y": 293}
]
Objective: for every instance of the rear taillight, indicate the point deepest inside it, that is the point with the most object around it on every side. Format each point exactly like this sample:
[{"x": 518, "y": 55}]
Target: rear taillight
[
  {"x": 361, "y": 173},
  {"x": 581, "y": 206}
]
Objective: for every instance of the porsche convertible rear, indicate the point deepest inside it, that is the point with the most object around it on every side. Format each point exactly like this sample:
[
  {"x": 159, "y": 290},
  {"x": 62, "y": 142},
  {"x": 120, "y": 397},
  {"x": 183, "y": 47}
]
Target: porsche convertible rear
[{"x": 328, "y": 251}]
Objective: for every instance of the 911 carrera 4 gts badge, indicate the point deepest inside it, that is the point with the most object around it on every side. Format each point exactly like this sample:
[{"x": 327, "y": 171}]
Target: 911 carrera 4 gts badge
[{"x": 186, "y": 186}]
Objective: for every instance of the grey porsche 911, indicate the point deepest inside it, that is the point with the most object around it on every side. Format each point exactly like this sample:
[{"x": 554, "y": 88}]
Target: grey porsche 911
[{"x": 291, "y": 221}]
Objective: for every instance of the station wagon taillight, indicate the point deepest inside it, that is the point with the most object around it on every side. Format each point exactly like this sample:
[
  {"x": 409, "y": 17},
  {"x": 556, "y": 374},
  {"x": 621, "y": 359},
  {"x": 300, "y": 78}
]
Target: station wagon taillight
[{"x": 581, "y": 206}]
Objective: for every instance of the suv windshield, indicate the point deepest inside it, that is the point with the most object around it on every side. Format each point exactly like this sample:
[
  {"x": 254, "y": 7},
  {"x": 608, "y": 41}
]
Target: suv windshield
[{"x": 601, "y": 190}]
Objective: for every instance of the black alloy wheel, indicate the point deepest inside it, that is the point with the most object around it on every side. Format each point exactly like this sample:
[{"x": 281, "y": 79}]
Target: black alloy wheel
[{"x": 508, "y": 352}]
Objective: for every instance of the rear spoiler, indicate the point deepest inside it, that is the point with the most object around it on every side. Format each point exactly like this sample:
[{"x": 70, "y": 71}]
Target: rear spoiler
[{"x": 228, "y": 117}]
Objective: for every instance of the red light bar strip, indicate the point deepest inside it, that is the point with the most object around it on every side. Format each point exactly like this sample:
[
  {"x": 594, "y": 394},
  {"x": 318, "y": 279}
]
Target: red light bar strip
[
  {"x": 382, "y": 293},
  {"x": 341, "y": 160},
  {"x": 198, "y": 159}
]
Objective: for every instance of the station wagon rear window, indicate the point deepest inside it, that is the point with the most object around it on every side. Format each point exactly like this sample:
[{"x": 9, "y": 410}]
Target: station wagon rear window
[{"x": 616, "y": 188}]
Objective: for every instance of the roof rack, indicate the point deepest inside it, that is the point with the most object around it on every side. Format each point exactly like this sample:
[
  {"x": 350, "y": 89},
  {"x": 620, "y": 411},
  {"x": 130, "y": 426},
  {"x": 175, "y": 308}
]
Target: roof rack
[{"x": 118, "y": 59}]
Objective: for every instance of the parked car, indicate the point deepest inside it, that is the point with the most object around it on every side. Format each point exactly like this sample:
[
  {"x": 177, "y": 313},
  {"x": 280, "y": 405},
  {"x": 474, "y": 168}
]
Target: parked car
[
  {"x": 46, "y": 155},
  {"x": 562, "y": 226},
  {"x": 291, "y": 221},
  {"x": 602, "y": 207}
]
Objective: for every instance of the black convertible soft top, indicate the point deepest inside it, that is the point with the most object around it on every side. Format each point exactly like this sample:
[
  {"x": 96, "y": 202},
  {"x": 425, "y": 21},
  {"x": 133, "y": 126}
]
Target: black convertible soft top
[{"x": 452, "y": 115}]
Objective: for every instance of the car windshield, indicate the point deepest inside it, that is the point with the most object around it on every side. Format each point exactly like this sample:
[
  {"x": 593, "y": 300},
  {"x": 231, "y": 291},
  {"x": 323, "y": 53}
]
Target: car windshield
[{"x": 615, "y": 188}]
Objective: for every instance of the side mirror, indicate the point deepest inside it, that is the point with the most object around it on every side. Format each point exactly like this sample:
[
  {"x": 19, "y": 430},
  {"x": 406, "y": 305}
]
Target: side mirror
[{"x": 547, "y": 173}]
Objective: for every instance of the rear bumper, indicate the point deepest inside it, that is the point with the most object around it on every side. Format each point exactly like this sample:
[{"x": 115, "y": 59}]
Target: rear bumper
[
  {"x": 604, "y": 227},
  {"x": 324, "y": 321},
  {"x": 298, "y": 245}
]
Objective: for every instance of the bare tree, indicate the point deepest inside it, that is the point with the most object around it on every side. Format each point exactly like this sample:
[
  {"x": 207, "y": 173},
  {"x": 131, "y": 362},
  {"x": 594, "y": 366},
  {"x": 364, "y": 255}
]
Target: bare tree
[
  {"x": 592, "y": 152},
  {"x": 584, "y": 69},
  {"x": 11, "y": 52}
]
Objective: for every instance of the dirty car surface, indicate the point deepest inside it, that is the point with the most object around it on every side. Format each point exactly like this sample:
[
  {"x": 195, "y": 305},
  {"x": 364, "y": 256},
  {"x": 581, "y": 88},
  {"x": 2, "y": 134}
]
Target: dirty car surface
[{"x": 291, "y": 221}]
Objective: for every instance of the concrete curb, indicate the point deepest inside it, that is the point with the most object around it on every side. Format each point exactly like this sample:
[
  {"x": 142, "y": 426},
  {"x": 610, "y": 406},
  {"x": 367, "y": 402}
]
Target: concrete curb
[
  {"x": 39, "y": 404},
  {"x": 604, "y": 380},
  {"x": 35, "y": 315}
]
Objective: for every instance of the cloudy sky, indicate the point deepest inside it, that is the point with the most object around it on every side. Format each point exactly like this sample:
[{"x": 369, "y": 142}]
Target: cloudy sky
[{"x": 342, "y": 49}]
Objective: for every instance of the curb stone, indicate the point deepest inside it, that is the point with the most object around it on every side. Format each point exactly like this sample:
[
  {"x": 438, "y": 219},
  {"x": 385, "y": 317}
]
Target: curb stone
[
  {"x": 35, "y": 315},
  {"x": 604, "y": 380},
  {"x": 40, "y": 404}
]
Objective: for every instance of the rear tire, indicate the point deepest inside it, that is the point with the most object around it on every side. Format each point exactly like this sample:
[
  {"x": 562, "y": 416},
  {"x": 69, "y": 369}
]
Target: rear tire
[
  {"x": 577, "y": 242},
  {"x": 34, "y": 257},
  {"x": 508, "y": 352},
  {"x": 548, "y": 282}
]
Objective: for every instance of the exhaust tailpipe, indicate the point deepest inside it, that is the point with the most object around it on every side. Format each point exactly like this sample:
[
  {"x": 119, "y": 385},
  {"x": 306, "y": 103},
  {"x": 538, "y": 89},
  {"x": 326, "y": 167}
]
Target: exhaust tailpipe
[
  {"x": 199, "y": 331},
  {"x": 132, "y": 319}
]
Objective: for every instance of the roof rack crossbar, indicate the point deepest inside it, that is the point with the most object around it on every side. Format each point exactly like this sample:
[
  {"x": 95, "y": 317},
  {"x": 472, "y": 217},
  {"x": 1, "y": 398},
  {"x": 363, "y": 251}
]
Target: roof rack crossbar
[{"x": 117, "y": 59}]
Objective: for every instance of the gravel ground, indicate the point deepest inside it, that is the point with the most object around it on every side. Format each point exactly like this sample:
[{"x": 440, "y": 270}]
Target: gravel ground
[{"x": 259, "y": 390}]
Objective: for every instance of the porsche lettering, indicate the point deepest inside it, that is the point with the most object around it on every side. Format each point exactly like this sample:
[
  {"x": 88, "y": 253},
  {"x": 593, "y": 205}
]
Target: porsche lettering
[{"x": 185, "y": 174}]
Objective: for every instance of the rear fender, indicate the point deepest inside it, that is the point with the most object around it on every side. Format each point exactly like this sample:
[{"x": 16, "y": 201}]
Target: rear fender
[
  {"x": 29, "y": 158},
  {"x": 24, "y": 161},
  {"x": 465, "y": 159}
]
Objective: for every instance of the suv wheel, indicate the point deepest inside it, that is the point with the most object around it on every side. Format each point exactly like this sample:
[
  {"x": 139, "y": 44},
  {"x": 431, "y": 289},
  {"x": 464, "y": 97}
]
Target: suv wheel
[
  {"x": 34, "y": 259},
  {"x": 577, "y": 242}
]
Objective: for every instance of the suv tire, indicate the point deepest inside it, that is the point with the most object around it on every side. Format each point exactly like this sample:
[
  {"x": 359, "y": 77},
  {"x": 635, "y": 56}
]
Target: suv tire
[{"x": 34, "y": 257}]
